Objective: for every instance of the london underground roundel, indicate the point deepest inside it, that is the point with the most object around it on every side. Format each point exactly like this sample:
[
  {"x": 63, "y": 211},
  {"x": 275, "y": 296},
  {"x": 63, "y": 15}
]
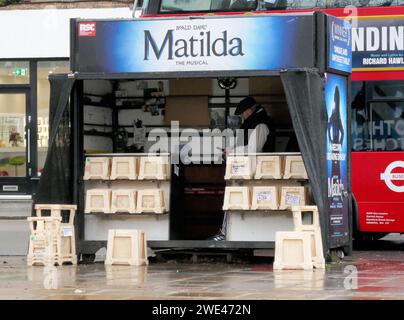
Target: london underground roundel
[{"x": 392, "y": 178}]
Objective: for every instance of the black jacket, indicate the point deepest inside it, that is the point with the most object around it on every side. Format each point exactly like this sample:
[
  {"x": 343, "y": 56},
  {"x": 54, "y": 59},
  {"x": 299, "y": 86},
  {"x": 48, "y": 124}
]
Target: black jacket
[{"x": 260, "y": 117}]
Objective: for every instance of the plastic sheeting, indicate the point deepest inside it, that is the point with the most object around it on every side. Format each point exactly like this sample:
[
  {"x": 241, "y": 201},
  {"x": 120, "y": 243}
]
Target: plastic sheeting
[
  {"x": 56, "y": 183},
  {"x": 305, "y": 96}
]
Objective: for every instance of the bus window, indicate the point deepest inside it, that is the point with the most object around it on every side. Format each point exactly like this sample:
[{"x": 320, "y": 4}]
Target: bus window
[
  {"x": 178, "y": 6},
  {"x": 171, "y": 6},
  {"x": 293, "y": 4},
  {"x": 275, "y": 4},
  {"x": 360, "y": 118},
  {"x": 387, "y": 126},
  {"x": 388, "y": 89}
]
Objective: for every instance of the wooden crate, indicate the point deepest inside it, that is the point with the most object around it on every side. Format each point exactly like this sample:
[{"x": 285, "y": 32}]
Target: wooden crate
[
  {"x": 239, "y": 167},
  {"x": 150, "y": 201},
  {"x": 56, "y": 210},
  {"x": 294, "y": 168},
  {"x": 124, "y": 168},
  {"x": 314, "y": 231},
  {"x": 126, "y": 247},
  {"x": 298, "y": 212},
  {"x": 265, "y": 198},
  {"x": 153, "y": 168},
  {"x": 236, "y": 198},
  {"x": 67, "y": 245},
  {"x": 98, "y": 200},
  {"x": 67, "y": 229},
  {"x": 269, "y": 167},
  {"x": 45, "y": 243},
  {"x": 123, "y": 200},
  {"x": 97, "y": 168},
  {"x": 292, "y": 251},
  {"x": 292, "y": 196}
]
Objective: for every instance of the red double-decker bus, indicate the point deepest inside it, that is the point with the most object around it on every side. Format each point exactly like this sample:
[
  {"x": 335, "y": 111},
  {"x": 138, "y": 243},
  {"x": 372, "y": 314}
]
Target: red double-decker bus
[{"x": 377, "y": 95}]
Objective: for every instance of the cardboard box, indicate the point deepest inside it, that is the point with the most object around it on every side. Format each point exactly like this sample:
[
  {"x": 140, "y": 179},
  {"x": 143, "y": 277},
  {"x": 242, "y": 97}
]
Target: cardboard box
[
  {"x": 189, "y": 111},
  {"x": 266, "y": 86},
  {"x": 191, "y": 87}
]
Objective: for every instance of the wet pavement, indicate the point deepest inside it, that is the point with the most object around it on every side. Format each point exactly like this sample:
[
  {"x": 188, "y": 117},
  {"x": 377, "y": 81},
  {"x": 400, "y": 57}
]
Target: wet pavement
[{"x": 368, "y": 274}]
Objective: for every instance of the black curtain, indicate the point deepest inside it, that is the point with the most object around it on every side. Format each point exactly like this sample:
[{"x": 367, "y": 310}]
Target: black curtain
[
  {"x": 55, "y": 185},
  {"x": 305, "y": 96}
]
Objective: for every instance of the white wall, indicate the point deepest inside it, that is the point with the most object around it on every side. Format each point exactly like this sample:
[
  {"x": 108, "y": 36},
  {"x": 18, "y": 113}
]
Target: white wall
[{"x": 44, "y": 33}]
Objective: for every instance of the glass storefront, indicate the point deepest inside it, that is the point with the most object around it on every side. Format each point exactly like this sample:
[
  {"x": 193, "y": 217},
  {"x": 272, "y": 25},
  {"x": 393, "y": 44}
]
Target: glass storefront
[
  {"x": 14, "y": 72},
  {"x": 24, "y": 122},
  {"x": 13, "y": 144}
]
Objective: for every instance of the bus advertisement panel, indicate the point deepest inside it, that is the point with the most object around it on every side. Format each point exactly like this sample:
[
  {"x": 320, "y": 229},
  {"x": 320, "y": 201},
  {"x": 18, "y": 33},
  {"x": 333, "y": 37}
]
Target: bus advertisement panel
[
  {"x": 378, "y": 44},
  {"x": 378, "y": 181}
]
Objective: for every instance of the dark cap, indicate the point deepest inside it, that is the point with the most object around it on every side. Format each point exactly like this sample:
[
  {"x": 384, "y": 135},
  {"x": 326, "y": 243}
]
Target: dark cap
[{"x": 245, "y": 104}]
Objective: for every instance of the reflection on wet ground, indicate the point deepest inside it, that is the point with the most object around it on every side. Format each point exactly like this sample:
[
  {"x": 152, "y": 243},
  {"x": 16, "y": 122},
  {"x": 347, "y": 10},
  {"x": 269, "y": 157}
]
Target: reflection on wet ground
[{"x": 366, "y": 275}]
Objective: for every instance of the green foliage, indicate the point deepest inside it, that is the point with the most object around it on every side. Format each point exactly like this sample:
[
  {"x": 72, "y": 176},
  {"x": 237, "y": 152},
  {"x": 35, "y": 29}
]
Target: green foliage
[
  {"x": 17, "y": 161},
  {"x": 4, "y": 3}
]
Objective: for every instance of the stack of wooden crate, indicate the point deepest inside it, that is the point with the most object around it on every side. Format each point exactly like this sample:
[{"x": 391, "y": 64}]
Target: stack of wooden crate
[
  {"x": 52, "y": 239},
  {"x": 262, "y": 183},
  {"x": 303, "y": 247},
  {"x": 137, "y": 197},
  {"x": 44, "y": 243}
]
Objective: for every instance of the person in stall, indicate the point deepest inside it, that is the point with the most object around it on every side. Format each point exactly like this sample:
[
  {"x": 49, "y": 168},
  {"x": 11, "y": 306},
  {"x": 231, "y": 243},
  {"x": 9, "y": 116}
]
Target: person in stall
[{"x": 258, "y": 137}]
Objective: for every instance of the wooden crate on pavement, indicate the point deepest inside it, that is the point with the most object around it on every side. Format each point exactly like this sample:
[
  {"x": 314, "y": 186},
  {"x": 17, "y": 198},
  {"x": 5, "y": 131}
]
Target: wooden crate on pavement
[
  {"x": 45, "y": 242},
  {"x": 126, "y": 247},
  {"x": 314, "y": 231},
  {"x": 67, "y": 229},
  {"x": 292, "y": 251}
]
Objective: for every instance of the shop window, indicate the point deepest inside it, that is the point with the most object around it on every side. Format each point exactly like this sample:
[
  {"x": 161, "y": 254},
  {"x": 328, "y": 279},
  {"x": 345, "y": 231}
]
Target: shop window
[
  {"x": 13, "y": 157},
  {"x": 14, "y": 72},
  {"x": 44, "y": 69}
]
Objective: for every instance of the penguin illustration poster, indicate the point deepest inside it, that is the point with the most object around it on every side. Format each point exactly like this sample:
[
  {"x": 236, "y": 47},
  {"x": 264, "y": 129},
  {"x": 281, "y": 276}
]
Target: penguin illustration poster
[{"x": 337, "y": 154}]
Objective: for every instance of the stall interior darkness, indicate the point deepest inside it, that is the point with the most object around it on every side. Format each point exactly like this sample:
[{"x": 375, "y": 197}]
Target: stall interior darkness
[{"x": 118, "y": 114}]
